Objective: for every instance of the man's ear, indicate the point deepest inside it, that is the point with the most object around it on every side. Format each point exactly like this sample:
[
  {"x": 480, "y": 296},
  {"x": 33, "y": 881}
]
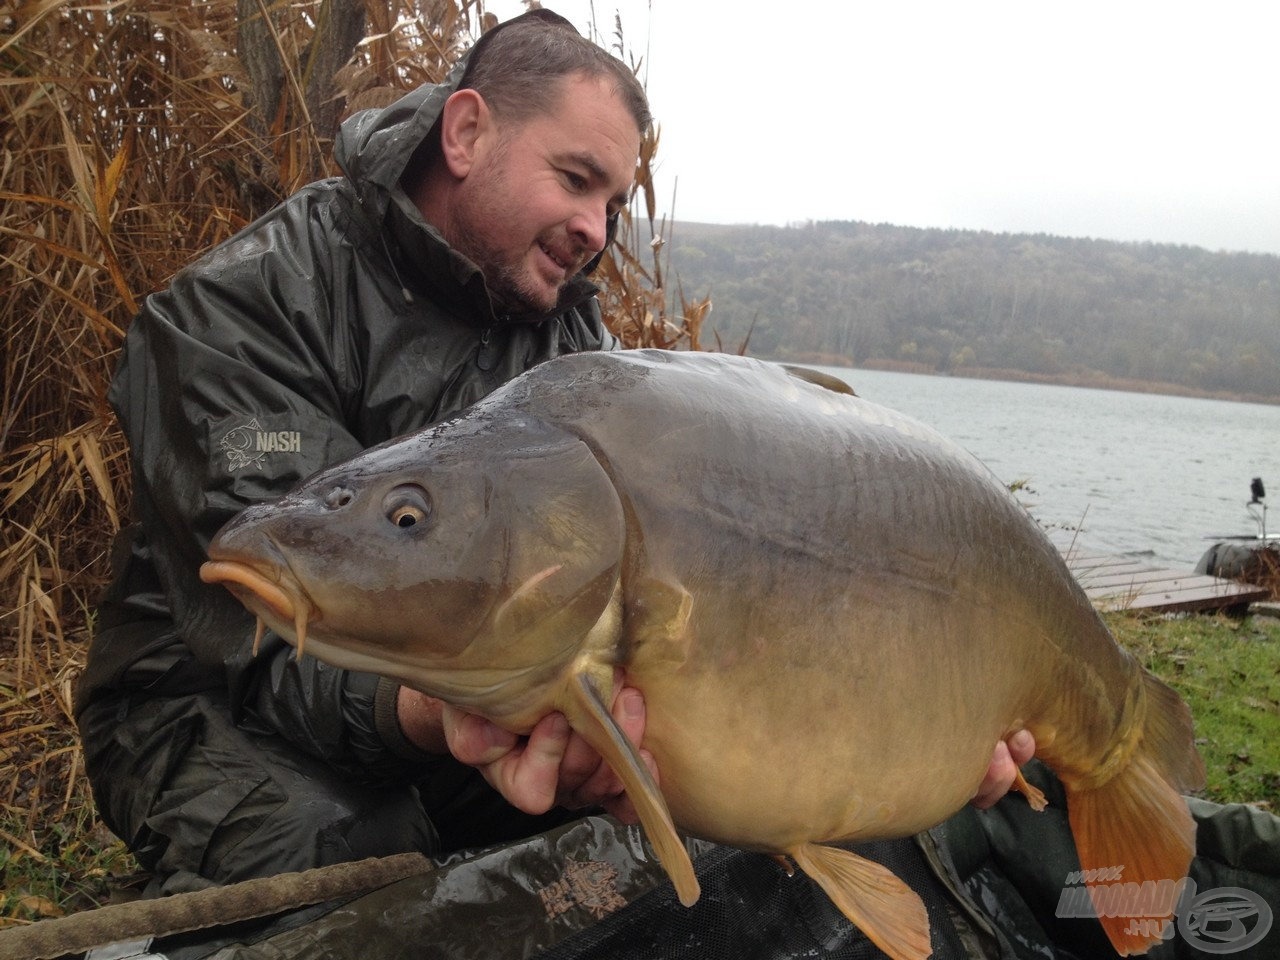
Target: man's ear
[{"x": 465, "y": 122}]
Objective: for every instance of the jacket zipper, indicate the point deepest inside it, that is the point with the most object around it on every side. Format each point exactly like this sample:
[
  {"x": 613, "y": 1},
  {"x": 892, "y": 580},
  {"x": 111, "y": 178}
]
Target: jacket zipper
[{"x": 487, "y": 355}]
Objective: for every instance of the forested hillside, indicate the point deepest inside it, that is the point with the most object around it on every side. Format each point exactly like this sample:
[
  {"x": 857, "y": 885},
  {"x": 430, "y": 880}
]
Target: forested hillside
[{"x": 962, "y": 301}]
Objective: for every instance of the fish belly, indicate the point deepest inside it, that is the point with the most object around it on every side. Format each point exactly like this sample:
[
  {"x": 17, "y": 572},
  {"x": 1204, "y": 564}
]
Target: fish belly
[{"x": 766, "y": 753}]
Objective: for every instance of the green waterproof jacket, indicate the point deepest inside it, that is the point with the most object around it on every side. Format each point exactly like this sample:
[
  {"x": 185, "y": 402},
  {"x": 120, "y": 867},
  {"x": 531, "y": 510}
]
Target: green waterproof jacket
[{"x": 336, "y": 321}]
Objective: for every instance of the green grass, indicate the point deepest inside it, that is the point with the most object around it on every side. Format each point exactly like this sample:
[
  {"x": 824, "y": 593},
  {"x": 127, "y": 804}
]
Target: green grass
[
  {"x": 1228, "y": 671},
  {"x": 75, "y": 864}
]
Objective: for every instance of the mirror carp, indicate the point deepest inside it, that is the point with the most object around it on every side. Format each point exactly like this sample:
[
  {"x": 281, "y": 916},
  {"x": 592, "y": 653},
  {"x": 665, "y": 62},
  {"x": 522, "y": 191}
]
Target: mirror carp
[{"x": 833, "y": 613}]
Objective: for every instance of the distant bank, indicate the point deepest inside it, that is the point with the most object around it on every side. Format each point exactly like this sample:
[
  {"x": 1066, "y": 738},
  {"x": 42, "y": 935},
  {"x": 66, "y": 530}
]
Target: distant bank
[{"x": 1041, "y": 309}]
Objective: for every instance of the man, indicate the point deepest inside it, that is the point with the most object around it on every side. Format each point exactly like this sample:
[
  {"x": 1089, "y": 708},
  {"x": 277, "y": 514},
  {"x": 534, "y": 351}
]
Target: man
[
  {"x": 355, "y": 311},
  {"x": 449, "y": 259}
]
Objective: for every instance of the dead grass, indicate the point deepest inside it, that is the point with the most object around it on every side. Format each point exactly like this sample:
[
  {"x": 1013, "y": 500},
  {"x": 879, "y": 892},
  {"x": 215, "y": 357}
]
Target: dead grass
[
  {"x": 1266, "y": 573},
  {"x": 133, "y": 135}
]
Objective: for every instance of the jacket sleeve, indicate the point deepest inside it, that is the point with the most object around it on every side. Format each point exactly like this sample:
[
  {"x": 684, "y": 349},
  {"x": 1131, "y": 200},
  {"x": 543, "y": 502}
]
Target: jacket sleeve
[{"x": 232, "y": 389}]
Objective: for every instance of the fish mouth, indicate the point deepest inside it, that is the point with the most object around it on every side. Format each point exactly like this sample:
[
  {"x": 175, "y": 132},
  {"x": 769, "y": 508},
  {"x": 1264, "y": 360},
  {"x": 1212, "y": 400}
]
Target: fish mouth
[{"x": 282, "y": 595}]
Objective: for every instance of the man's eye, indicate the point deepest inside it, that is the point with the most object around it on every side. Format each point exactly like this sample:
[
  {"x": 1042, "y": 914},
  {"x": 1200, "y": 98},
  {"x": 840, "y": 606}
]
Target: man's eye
[{"x": 576, "y": 181}]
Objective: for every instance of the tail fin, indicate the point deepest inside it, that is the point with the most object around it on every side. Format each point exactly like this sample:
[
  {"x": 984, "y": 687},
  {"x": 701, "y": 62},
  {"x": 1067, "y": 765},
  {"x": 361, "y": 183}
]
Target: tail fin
[{"x": 1135, "y": 828}]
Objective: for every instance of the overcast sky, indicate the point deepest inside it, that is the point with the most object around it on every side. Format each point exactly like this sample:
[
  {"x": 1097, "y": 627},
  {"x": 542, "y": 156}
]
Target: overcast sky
[{"x": 1123, "y": 120}]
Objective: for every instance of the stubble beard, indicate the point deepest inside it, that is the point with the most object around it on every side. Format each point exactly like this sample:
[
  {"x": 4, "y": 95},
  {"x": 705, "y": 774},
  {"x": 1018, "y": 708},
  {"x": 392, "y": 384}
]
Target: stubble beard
[
  {"x": 512, "y": 290},
  {"x": 506, "y": 273}
]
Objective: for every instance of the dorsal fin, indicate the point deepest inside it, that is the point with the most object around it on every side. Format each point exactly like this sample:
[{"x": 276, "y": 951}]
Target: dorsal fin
[{"x": 818, "y": 378}]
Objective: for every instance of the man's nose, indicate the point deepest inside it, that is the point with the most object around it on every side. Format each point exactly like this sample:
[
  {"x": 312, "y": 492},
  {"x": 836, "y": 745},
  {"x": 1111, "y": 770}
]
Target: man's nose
[{"x": 590, "y": 226}]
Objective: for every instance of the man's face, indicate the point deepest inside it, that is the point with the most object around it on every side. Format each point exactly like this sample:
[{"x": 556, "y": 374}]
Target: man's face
[{"x": 532, "y": 213}]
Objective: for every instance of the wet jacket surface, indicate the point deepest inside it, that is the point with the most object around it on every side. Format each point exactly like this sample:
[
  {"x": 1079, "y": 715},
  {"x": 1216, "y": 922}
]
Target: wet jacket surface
[{"x": 336, "y": 321}]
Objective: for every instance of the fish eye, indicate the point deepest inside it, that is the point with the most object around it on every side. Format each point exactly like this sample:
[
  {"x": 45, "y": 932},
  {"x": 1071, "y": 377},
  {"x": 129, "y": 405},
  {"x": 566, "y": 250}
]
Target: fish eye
[{"x": 407, "y": 506}]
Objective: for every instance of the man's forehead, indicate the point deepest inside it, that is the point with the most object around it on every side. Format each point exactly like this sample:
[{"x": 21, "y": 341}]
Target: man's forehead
[
  {"x": 594, "y": 128},
  {"x": 584, "y": 97},
  {"x": 581, "y": 88}
]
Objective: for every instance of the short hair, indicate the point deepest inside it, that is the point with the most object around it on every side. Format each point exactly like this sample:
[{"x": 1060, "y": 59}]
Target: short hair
[{"x": 516, "y": 67}]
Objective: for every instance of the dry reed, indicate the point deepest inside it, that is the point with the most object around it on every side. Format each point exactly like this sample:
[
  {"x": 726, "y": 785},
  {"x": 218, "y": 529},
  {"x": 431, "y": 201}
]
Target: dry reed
[{"x": 134, "y": 135}]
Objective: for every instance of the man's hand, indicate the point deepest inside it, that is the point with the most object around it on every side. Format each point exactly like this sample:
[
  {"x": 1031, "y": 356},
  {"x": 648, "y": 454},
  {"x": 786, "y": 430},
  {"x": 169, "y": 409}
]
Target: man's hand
[
  {"x": 1009, "y": 755},
  {"x": 552, "y": 766}
]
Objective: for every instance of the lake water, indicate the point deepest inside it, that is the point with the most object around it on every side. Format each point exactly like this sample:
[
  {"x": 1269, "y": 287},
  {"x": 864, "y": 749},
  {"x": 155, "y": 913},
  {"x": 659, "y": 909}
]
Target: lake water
[{"x": 1136, "y": 473}]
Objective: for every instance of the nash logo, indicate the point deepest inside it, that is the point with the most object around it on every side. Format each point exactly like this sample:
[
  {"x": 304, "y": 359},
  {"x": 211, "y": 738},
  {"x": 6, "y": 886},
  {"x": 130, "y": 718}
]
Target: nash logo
[{"x": 247, "y": 445}]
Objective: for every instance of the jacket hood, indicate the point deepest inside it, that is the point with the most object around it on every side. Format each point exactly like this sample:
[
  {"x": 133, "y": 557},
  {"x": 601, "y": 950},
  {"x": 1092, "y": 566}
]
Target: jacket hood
[{"x": 374, "y": 147}]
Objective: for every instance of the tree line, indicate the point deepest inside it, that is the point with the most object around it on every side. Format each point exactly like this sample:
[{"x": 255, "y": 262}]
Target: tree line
[{"x": 959, "y": 301}]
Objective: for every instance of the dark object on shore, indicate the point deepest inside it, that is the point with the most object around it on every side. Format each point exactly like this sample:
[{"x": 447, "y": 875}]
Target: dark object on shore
[
  {"x": 1248, "y": 559},
  {"x": 1251, "y": 560}
]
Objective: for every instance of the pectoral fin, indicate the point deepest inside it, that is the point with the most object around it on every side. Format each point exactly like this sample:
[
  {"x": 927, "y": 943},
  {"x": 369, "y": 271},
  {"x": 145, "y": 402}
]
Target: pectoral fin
[
  {"x": 889, "y": 912},
  {"x": 591, "y": 718}
]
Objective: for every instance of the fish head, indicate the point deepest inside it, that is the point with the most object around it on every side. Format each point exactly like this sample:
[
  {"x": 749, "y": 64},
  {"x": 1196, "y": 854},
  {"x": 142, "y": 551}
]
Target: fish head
[{"x": 469, "y": 561}]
